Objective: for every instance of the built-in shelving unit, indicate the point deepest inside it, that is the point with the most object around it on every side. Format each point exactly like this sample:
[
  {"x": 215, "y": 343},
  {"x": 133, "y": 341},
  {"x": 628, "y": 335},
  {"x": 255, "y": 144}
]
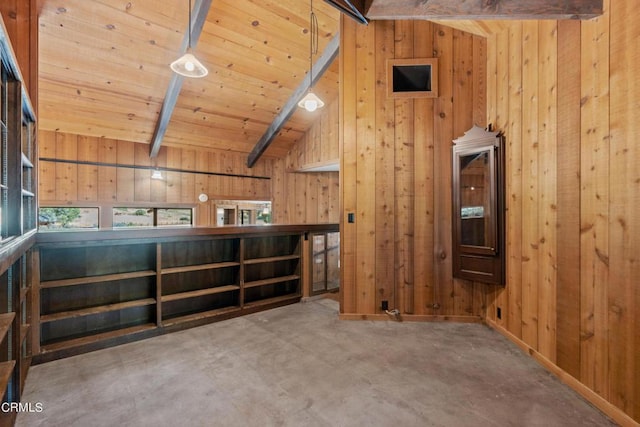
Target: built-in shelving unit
[
  {"x": 18, "y": 188},
  {"x": 100, "y": 288}
]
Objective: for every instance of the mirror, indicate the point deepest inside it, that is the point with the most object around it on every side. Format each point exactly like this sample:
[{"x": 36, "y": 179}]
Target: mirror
[
  {"x": 475, "y": 199},
  {"x": 478, "y": 212}
]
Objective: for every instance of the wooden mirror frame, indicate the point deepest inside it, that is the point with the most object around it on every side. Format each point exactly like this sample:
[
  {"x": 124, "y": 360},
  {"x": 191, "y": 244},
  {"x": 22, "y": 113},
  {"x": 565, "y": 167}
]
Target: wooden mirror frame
[{"x": 486, "y": 262}]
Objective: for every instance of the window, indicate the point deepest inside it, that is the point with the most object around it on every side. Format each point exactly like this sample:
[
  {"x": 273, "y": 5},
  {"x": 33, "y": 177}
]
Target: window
[
  {"x": 242, "y": 212},
  {"x": 67, "y": 218},
  {"x": 174, "y": 217},
  {"x": 149, "y": 217}
]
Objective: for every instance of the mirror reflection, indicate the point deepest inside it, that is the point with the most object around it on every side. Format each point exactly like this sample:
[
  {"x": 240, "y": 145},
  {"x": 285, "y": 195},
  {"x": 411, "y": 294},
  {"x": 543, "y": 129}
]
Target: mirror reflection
[{"x": 475, "y": 199}]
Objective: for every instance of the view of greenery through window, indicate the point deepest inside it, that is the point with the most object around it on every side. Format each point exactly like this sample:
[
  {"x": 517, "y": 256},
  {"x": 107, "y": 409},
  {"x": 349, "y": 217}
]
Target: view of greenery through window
[
  {"x": 67, "y": 218},
  {"x": 77, "y": 218},
  {"x": 144, "y": 217}
]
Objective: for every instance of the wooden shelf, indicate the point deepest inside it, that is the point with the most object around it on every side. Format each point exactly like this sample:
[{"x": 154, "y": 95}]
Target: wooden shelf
[
  {"x": 24, "y": 330},
  {"x": 62, "y": 345},
  {"x": 200, "y": 292},
  {"x": 6, "y": 370},
  {"x": 275, "y": 300},
  {"x": 96, "y": 310},
  {"x": 96, "y": 279},
  {"x": 199, "y": 316},
  {"x": 5, "y": 323},
  {"x": 23, "y": 293},
  {"x": 188, "y": 268},
  {"x": 270, "y": 281},
  {"x": 271, "y": 259}
]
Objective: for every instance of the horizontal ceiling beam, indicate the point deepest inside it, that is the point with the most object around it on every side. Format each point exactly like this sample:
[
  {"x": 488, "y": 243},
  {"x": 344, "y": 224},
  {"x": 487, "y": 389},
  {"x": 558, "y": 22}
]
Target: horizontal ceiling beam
[
  {"x": 322, "y": 64},
  {"x": 199, "y": 16},
  {"x": 484, "y": 9}
]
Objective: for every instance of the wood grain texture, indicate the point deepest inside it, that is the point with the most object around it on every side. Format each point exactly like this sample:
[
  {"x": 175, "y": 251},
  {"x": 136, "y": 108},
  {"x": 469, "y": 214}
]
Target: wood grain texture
[
  {"x": 624, "y": 225},
  {"x": 94, "y": 55},
  {"x": 594, "y": 208},
  {"x": 410, "y": 194},
  {"x": 107, "y": 181},
  {"x": 479, "y": 9},
  {"x": 568, "y": 291},
  {"x": 572, "y": 189}
]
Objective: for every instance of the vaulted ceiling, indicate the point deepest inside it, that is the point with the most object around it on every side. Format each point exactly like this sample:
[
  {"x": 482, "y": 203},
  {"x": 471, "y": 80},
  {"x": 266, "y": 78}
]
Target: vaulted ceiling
[{"x": 104, "y": 70}]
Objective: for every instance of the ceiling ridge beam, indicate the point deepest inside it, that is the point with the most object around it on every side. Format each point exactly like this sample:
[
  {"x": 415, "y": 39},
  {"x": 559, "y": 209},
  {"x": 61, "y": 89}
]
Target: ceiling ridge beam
[
  {"x": 484, "y": 9},
  {"x": 199, "y": 15},
  {"x": 319, "y": 67}
]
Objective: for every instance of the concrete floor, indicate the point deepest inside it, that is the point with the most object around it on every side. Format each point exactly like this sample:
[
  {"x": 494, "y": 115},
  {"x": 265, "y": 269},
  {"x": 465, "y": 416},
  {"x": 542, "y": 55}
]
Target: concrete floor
[{"x": 300, "y": 366}]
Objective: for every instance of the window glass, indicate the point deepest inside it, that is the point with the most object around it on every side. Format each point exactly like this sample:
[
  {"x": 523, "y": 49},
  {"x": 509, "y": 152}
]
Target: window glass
[
  {"x": 175, "y": 217},
  {"x": 132, "y": 217},
  {"x": 67, "y": 218}
]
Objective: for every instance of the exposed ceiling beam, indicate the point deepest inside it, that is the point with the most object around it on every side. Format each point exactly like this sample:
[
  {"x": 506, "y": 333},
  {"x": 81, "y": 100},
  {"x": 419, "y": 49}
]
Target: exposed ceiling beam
[
  {"x": 321, "y": 65},
  {"x": 484, "y": 9},
  {"x": 199, "y": 16}
]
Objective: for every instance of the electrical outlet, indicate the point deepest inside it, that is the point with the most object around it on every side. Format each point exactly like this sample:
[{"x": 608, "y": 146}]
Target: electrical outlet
[
  {"x": 385, "y": 305},
  {"x": 499, "y": 313}
]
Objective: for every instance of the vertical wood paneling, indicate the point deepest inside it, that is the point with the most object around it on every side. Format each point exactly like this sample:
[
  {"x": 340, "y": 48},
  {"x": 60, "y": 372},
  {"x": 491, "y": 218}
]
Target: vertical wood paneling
[
  {"x": 403, "y": 178},
  {"x": 411, "y": 192},
  {"x": 463, "y": 93},
  {"x": 87, "y": 174},
  {"x": 47, "y": 170},
  {"x": 568, "y": 291},
  {"x": 384, "y": 170},
  {"x": 174, "y": 179},
  {"x": 443, "y": 136},
  {"x": 594, "y": 208},
  {"x": 113, "y": 182},
  {"x": 66, "y": 173},
  {"x": 574, "y": 142},
  {"x": 348, "y": 162},
  {"x": 159, "y": 186},
  {"x": 624, "y": 191},
  {"x": 513, "y": 185},
  {"x": 423, "y": 184},
  {"x": 547, "y": 175},
  {"x": 530, "y": 239},
  {"x": 126, "y": 192},
  {"x": 365, "y": 180}
]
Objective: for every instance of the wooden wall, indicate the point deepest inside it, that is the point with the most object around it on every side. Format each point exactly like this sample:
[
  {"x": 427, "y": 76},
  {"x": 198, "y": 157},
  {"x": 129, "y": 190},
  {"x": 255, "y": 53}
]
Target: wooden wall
[
  {"x": 566, "y": 94},
  {"x": 396, "y": 169},
  {"x": 309, "y": 197},
  {"x": 103, "y": 184},
  {"x": 21, "y": 20}
]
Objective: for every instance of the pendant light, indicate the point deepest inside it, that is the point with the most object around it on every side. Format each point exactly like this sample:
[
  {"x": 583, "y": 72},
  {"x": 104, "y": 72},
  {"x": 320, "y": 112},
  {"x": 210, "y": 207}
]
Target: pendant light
[
  {"x": 311, "y": 102},
  {"x": 188, "y": 65}
]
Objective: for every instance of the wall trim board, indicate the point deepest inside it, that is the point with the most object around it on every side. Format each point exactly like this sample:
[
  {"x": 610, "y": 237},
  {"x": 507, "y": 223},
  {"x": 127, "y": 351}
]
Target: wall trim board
[
  {"x": 411, "y": 318},
  {"x": 615, "y": 413},
  {"x": 160, "y": 168}
]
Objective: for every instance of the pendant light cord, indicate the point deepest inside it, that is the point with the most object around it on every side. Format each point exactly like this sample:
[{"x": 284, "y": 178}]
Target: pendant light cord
[
  {"x": 189, "y": 37},
  {"x": 313, "y": 42}
]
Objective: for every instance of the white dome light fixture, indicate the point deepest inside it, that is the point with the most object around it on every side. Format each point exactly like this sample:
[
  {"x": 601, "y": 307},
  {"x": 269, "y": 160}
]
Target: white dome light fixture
[
  {"x": 311, "y": 102},
  {"x": 188, "y": 65}
]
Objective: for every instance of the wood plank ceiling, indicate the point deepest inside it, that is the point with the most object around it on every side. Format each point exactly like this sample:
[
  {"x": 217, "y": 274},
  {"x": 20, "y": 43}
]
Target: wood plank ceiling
[{"x": 104, "y": 70}]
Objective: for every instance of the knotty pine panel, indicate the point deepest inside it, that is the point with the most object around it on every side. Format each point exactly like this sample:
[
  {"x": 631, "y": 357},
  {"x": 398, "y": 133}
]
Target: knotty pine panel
[
  {"x": 408, "y": 185},
  {"x": 573, "y": 193},
  {"x": 308, "y": 197},
  {"x": 90, "y": 175},
  {"x": 20, "y": 18}
]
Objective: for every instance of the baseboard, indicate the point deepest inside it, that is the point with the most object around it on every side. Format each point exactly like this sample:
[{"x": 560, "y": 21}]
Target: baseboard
[
  {"x": 612, "y": 411},
  {"x": 411, "y": 318}
]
